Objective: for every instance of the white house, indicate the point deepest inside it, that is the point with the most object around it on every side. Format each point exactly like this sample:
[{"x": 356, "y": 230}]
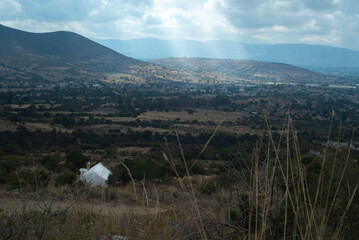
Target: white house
[{"x": 95, "y": 176}]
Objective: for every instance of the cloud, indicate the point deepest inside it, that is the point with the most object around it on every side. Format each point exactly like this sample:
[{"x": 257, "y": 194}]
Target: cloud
[
  {"x": 333, "y": 22},
  {"x": 9, "y": 9},
  {"x": 322, "y": 5}
]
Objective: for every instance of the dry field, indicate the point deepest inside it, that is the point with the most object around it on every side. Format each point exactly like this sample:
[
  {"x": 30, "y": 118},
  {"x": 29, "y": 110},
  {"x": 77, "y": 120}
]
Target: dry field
[
  {"x": 202, "y": 118},
  {"x": 6, "y": 125},
  {"x": 200, "y": 115}
]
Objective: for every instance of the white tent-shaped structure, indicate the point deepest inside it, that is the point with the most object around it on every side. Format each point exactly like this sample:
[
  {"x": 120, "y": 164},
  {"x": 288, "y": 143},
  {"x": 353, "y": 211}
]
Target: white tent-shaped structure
[{"x": 95, "y": 176}]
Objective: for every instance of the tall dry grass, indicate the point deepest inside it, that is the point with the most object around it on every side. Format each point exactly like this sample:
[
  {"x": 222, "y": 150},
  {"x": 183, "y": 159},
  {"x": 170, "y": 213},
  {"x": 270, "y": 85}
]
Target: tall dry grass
[
  {"x": 280, "y": 196},
  {"x": 274, "y": 193}
]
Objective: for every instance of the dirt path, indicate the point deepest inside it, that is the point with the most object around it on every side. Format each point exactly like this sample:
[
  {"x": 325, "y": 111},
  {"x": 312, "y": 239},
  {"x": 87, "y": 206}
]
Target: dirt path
[{"x": 109, "y": 208}]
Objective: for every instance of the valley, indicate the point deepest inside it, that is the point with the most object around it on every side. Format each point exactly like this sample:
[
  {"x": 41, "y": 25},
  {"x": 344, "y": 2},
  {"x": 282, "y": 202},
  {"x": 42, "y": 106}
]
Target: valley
[{"x": 189, "y": 141}]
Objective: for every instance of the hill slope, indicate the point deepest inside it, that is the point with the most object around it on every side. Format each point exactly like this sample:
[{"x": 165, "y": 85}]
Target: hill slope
[
  {"x": 250, "y": 70},
  {"x": 62, "y": 45},
  {"x": 60, "y": 55}
]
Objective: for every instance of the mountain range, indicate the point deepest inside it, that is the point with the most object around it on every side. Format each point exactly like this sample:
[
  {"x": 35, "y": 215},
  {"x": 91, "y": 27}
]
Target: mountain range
[
  {"x": 314, "y": 57},
  {"x": 67, "y": 56}
]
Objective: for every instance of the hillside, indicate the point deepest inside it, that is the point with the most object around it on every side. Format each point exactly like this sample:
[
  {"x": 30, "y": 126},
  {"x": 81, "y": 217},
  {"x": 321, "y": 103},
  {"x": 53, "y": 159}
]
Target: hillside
[
  {"x": 65, "y": 47},
  {"x": 58, "y": 56},
  {"x": 251, "y": 70}
]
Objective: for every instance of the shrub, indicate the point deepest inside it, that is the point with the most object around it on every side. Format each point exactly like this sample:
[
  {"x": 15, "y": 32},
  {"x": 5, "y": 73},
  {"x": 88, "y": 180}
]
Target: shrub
[
  {"x": 149, "y": 169},
  {"x": 240, "y": 216},
  {"x": 208, "y": 188},
  {"x": 51, "y": 162},
  {"x": 7, "y": 166},
  {"x": 65, "y": 179},
  {"x": 119, "y": 174},
  {"x": 75, "y": 160},
  {"x": 28, "y": 178}
]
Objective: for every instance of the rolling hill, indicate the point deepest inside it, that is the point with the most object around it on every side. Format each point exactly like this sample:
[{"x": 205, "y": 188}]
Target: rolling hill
[{"x": 250, "y": 70}]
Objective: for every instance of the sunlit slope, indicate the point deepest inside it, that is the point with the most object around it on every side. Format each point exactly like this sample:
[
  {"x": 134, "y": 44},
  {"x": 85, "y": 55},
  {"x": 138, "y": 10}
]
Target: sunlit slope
[{"x": 250, "y": 70}]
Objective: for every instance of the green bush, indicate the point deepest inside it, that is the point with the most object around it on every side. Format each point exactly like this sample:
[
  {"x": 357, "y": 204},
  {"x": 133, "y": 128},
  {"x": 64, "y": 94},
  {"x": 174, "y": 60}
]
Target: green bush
[
  {"x": 119, "y": 174},
  {"x": 51, "y": 162},
  {"x": 76, "y": 160},
  {"x": 7, "y": 166},
  {"x": 240, "y": 216},
  {"x": 208, "y": 188},
  {"x": 28, "y": 178},
  {"x": 65, "y": 179},
  {"x": 149, "y": 169},
  {"x": 312, "y": 164}
]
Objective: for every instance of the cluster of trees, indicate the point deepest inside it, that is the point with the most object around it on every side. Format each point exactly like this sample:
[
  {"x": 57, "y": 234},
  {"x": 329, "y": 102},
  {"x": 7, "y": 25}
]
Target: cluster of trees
[
  {"x": 138, "y": 169},
  {"x": 22, "y": 139}
]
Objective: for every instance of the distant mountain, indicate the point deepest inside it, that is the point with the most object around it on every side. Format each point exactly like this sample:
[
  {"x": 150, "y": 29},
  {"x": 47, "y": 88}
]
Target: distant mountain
[
  {"x": 321, "y": 57},
  {"x": 62, "y": 45},
  {"x": 66, "y": 54},
  {"x": 244, "y": 69}
]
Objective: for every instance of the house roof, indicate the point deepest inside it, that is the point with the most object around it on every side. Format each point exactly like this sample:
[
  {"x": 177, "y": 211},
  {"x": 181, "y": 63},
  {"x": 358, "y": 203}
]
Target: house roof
[
  {"x": 100, "y": 170},
  {"x": 96, "y": 176}
]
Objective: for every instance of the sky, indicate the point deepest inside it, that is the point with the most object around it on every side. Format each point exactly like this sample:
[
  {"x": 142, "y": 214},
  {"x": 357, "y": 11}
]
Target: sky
[{"x": 324, "y": 22}]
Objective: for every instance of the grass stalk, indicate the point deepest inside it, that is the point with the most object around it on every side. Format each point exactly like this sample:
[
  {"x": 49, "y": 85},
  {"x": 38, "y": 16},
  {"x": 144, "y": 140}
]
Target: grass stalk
[
  {"x": 133, "y": 181},
  {"x": 194, "y": 199}
]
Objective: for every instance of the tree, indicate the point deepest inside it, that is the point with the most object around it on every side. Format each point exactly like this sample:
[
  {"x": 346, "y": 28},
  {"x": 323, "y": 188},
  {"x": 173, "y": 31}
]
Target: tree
[
  {"x": 119, "y": 174},
  {"x": 221, "y": 100},
  {"x": 51, "y": 162},
  {"x": 75, "y": 160}
]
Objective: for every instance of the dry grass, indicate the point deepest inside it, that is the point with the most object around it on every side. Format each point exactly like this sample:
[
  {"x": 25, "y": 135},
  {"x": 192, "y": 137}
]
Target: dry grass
[{"x": 271, "y": 196}]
